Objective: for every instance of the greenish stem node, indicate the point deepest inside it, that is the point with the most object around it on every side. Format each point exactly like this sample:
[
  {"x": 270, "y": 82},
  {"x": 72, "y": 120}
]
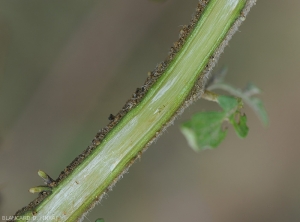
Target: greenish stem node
[{"x": 210, "y": 96}]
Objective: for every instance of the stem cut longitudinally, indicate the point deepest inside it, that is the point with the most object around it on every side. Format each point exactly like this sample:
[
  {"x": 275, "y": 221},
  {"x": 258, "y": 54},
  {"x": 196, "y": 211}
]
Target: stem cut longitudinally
[{"x": 164, "y": 96}]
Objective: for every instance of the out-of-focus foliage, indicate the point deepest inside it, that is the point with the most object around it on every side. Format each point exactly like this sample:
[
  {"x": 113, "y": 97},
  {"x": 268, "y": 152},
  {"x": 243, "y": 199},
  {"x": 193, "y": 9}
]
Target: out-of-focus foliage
[{"x": 205, "y": 129}]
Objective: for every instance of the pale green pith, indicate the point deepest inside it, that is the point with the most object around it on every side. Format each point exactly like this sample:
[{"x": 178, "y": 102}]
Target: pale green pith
[{"x": 90, "y": 179}]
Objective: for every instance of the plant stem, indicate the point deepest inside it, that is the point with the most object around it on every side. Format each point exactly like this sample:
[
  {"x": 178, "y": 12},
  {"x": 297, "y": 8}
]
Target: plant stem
[
  {"x": 182, "y": 81},
  {"x": 210, "y": 96}
]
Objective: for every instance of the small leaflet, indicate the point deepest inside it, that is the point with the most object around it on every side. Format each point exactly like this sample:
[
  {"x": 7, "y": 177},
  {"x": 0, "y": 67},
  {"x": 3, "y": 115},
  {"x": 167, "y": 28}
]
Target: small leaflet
[{"x": 205, "y": 129}]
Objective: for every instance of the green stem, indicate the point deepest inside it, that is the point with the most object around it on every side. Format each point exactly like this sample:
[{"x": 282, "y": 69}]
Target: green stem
[{"x": 181, "y": 83}]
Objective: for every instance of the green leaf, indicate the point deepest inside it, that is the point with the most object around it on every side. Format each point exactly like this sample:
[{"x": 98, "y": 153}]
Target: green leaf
[
  {"x": 229, "y": 103},
  {"x": 231, "y": 107},
  {"x": 239, "y": 123},
  {"x": 205, "y": 131}
]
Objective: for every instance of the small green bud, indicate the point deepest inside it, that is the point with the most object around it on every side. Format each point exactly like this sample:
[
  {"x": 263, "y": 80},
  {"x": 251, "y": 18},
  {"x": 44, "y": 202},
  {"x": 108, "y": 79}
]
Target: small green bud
[
  {"x": 40, "y": 189},
  {"x": 47, "y": 179}
]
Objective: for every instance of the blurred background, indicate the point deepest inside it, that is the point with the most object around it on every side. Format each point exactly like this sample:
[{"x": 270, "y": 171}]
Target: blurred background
[{"x": 66, "y": 65}]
